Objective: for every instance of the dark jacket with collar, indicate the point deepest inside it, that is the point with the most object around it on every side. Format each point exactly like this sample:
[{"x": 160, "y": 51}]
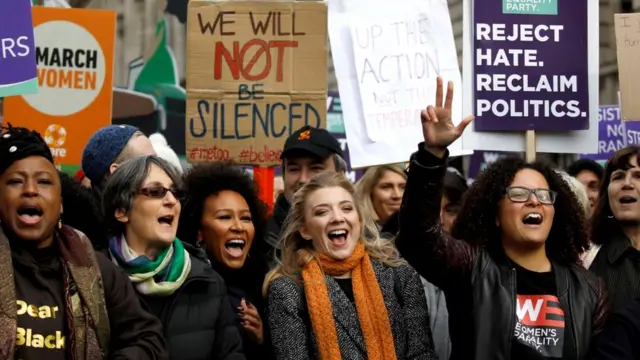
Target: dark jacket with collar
[
  {"x": 481, "y": 286},
  {"x": 293, "y": 336},
  {"x": 198, "y": 321},
  {"x": 274, "y": 228},
  {"x": 617, "y": 265}
]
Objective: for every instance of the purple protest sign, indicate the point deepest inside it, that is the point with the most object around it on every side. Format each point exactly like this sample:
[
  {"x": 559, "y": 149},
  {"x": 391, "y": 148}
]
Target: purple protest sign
[
  {"x": 610, "y": 133},
  {"x": 18, "y": 71},
  {"x": 479, "y": 160},
  {"x": 632, "y": 131},
  {"x": 530, "y": 65}
]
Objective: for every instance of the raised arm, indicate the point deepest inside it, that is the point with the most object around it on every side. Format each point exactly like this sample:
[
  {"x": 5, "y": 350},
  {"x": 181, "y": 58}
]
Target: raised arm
[{"x": 438, "y": 258}]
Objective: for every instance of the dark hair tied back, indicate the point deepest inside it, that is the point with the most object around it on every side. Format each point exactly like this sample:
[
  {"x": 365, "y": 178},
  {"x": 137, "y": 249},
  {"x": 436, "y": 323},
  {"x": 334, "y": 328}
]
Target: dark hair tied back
[{"x": 17, "y": 143}]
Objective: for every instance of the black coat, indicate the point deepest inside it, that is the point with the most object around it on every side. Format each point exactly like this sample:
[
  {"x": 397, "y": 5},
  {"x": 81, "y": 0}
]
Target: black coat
[
  {"x": 198, "y": 320},
  {"x": 479, "y": 284}
]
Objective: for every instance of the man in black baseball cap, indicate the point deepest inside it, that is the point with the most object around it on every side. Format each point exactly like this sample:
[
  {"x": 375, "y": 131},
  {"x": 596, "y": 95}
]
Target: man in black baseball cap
[{"x": 307, "y": 152}]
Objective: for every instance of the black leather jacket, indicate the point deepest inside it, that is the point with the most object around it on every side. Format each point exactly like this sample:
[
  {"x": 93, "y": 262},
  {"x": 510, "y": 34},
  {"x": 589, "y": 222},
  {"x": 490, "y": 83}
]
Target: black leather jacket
[{"x": 480, "y": 286}]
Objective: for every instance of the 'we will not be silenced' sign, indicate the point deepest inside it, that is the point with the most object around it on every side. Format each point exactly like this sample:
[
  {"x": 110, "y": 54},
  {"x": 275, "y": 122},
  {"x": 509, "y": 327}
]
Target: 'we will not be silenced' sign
[{"x": 256, "y": 72}]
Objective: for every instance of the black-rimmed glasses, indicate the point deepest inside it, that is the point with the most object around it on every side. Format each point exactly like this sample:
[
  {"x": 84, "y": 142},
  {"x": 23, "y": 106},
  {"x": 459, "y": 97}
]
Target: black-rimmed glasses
[{"x": 520, "y": 194}]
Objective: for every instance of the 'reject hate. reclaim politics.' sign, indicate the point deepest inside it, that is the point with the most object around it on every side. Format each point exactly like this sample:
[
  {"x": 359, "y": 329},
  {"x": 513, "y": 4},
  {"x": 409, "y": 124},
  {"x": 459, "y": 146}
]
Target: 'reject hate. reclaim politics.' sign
[{"x": 530, "y": 65}]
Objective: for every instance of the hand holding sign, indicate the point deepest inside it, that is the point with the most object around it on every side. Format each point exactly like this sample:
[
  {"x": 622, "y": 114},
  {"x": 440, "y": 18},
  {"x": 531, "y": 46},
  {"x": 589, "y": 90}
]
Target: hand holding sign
[{"x": 437, "y": 127}]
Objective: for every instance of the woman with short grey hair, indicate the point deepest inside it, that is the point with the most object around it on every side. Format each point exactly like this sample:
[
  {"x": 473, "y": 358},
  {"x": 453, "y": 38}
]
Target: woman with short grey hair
[{"x": 141, "y": 202}]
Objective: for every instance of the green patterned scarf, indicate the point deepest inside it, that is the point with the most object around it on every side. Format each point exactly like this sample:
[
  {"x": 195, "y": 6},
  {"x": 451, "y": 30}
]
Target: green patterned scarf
[{"x": 159, "y": 277}]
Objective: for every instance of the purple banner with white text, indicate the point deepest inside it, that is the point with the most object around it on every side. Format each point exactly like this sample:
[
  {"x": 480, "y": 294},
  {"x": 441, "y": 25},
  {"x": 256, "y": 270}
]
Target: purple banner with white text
[
  {"x": 530, "y": 65},
  {"x": 479, "y": 160},
  {"x": 611, "y": 132}
]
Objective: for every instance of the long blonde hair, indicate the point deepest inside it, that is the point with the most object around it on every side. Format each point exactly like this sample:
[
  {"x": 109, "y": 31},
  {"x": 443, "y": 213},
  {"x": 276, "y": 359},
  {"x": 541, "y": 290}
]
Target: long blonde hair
[
  {"x": 298, "y": 252},
  {"x": 366, "y": 184}
]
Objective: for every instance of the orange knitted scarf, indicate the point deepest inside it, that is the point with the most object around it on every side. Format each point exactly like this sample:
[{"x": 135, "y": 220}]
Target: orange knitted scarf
[{"x": 372, "y": 312}]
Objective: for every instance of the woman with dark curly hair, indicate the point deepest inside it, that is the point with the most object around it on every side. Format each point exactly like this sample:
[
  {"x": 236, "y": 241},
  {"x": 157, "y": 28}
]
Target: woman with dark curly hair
[
  {"x": 510, "y": 270},
  {"x": 224, "y": 216}
]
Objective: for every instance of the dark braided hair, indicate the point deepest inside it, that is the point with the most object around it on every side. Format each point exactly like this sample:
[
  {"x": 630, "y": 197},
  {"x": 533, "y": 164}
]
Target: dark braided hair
[
  {"x": 476, "y": 221},
  {"x": 17, "y": 143}
]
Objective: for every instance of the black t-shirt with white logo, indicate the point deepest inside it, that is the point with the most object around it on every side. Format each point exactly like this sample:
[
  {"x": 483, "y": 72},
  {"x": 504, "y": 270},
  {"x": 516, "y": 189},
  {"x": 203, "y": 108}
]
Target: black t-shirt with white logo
[{"x": 539, "y": 331}]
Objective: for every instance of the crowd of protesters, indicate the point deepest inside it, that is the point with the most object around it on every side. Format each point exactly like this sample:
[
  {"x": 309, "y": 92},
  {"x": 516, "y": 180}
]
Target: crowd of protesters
[{"x": 138, "y": 258}]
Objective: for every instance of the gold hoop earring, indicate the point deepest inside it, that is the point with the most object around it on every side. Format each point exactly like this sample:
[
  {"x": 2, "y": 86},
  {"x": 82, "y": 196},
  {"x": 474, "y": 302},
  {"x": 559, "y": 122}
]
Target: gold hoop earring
[{"x": 59, "y": 224}]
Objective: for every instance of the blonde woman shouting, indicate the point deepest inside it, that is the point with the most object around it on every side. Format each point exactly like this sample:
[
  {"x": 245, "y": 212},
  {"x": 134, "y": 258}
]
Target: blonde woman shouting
[{"x": 337, "y": 294}]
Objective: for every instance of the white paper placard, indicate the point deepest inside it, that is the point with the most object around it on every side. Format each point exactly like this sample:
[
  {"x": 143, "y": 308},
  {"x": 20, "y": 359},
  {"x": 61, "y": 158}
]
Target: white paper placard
[{"x": 386, "y": 60}]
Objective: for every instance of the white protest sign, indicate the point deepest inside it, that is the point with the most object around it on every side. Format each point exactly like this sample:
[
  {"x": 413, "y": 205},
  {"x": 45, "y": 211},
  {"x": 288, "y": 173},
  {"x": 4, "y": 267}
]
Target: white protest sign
[
  {"x": 386, "y": 60},
  {"x": 393, "y": 60}
]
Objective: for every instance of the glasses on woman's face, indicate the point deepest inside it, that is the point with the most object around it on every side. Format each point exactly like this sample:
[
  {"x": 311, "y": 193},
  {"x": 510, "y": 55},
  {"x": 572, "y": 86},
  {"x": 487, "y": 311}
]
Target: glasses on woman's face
[
  {"x": 159, "y": 192},
  {"x": 520, "y": 194}
]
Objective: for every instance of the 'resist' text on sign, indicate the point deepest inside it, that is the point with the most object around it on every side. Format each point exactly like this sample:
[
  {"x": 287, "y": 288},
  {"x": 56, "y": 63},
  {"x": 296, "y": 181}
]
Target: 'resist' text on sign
[
  {"x": 256, "y": 72},
  {"x": 530, "y": 72}
]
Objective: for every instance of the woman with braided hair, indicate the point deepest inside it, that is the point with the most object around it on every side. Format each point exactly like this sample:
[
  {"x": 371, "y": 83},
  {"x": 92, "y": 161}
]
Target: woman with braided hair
[
  {"x": 71, "y": 302},
  {"x": 339, "y": 291}
]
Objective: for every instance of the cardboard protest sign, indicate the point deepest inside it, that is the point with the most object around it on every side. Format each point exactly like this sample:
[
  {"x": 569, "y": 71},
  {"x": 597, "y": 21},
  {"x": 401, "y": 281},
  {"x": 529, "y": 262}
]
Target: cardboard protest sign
[
  {"x": 18, "y": 73},
  {"x": 74, "y": 53},
  {"x": 611, "y": 137},
  {"x": 335, "y": 125},
  {"x": 256, "y": 72},
  {"x": 627, "y": 28},
  {"x": 530, "y": 68}
]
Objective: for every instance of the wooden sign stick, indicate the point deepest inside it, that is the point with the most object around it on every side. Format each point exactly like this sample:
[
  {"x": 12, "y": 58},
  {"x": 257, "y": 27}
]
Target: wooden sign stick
[{"x": 530, "y": 145}]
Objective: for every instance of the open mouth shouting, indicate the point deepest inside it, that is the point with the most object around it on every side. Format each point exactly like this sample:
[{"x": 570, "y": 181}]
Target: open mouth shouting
[
  {"x": 30, "y": 214},
  {"x": 235, "y": 247},
  {"x": 338, "y": 237},
  {"x": 532, "y": 219},
  {"x": 166, "y": 220},
  {"x": 627, "y": 200}
]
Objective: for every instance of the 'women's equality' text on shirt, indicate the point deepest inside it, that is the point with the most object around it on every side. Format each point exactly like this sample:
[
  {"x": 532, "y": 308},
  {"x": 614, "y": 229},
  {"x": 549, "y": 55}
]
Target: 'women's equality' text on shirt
[{"x": 540, "y": 325}]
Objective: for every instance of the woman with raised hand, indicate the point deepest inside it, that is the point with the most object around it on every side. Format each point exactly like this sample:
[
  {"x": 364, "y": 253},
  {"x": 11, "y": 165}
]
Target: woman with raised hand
[
  {"x": 62, "y": 299},
  {"x": 339, "y": 291},
  {"x": 510, "y": 269},
  {"x": 223, "y": 215},
  {"x": 142, "y": 208}
]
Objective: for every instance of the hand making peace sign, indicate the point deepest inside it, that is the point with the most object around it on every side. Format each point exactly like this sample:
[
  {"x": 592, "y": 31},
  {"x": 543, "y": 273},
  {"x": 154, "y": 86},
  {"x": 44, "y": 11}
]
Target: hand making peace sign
[{"x": 437, "y": 127}]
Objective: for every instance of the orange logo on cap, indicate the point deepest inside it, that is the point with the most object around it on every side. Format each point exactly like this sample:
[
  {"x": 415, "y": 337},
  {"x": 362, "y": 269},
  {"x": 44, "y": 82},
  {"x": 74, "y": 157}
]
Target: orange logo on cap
[{"x": 305, "y": 135}]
